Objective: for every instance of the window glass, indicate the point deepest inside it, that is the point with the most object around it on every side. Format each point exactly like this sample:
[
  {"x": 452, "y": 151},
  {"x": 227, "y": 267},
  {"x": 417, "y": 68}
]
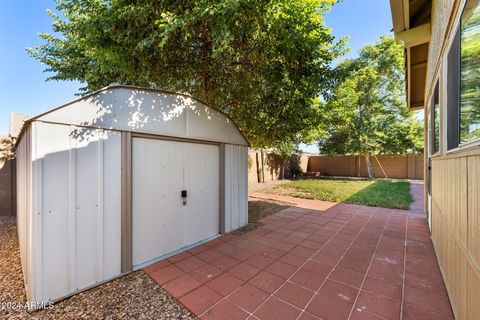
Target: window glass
[
  {"x": 435, "y": 123},
  {"x": 436, "y": 126},
  {"x": 470, "y": 72}
]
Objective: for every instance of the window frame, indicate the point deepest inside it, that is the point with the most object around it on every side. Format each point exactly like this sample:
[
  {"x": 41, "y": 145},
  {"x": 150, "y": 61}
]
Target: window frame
[
  {"x": 453, "y": 100},
  {"x": 453, "y": 94},
  {"x": 435, "y": 108}
]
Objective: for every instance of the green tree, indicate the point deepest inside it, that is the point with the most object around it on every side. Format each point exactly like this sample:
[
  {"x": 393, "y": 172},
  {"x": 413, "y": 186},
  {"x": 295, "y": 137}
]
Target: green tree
[
  {"x": 284, "y": 153},
  {"x": 261, "y": 62},
  {"x": 470, "y": 74},
  {"x": 365, "y": 113}
]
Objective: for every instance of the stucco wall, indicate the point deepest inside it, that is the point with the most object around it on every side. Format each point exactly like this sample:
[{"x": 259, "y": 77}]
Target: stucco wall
[{"x": 442, "y": 11}]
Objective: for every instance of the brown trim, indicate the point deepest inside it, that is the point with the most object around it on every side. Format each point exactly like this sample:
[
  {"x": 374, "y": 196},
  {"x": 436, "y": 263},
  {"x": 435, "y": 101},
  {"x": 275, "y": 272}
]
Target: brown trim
[
  {"x": 112, "y": 87},
  {"x": 422, "y": 64},
  {"x": 461, "y": 153},
  {"x": 222, "y": 188},
  {"x": 142, "y": 134},
  {"x": 171, "y": 138},
  {"x": 126, "y": 241}
]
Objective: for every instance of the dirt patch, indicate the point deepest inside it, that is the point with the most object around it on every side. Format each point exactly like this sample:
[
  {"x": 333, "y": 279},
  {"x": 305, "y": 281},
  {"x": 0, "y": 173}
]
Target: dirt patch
[
  {"x": 258, "y": 209},
  {"x": 266, "y": 186},
  {"x": 134, "y": 296}
]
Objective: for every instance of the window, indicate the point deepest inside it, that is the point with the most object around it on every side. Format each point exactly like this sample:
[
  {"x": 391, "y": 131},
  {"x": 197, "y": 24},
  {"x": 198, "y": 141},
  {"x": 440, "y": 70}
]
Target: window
[
  {"x": 434, "y": 119},
  {"x": 453, "y": 94},
  {"x": 470, "y": 72}
]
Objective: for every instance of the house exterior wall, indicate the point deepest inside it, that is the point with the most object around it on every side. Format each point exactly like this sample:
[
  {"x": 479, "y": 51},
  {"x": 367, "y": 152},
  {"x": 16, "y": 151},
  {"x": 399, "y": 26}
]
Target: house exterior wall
[
  {"x": 441, "y": 10},
  {"x": 455, "y": 175}
]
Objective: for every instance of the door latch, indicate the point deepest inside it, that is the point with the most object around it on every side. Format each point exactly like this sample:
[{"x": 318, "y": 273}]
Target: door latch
[{"x": 184, "y": 197}]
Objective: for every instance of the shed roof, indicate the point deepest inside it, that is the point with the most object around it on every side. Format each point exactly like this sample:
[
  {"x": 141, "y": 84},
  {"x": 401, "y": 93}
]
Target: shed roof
[{"x": 146, "y": 110}]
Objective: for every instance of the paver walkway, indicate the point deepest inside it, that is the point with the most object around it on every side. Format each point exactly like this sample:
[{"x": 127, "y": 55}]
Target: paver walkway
[{"x": 317, "y": 260}]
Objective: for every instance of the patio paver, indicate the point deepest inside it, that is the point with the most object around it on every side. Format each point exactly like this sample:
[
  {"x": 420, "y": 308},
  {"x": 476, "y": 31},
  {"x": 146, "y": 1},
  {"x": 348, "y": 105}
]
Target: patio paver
[{"x": 315, "y": 260}]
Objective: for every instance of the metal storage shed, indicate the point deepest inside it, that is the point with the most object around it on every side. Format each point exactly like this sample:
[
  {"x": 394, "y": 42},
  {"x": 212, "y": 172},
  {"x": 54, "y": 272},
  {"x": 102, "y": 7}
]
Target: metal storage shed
[{"x": 122, "y": 178}]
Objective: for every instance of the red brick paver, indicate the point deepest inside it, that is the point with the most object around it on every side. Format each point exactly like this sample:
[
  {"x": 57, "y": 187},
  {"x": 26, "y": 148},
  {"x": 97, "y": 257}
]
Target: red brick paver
[{"x": 315, "y": 260}]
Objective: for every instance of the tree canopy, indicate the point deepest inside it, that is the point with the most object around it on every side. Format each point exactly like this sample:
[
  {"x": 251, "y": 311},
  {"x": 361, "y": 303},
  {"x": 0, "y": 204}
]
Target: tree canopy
[
  {"x": 264, "y": 63},
  {"x": 470, "y": 75},
  {"x": 366, "y": 113}
]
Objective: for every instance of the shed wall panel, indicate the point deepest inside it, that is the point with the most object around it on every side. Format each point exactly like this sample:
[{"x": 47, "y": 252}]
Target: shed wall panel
[
  {"x": 51, "y": 169},
  {"x": 112, "y": 167},
  {"x": 86, "y": 206},
  {"x": 76, "y": 248},
  {"x": 23, "y": 185},
  {"x": 236, "y": 187}
]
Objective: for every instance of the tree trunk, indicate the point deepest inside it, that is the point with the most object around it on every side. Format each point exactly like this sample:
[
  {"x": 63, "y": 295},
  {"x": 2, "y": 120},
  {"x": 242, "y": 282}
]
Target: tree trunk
[
  {"x": 259, "y": 178},
  {"x": 371, "y": 173},
  {"x": 263, "y": 164}
]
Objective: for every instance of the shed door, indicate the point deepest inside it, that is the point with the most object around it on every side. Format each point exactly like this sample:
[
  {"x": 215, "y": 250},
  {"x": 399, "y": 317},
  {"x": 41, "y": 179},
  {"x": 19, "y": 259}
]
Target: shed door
[{"x": 161, "y": 223}]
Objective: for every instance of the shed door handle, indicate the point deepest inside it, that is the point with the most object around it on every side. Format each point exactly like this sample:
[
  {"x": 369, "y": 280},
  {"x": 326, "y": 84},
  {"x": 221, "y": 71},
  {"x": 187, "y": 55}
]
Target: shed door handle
[{"x": 184, "y": 196}]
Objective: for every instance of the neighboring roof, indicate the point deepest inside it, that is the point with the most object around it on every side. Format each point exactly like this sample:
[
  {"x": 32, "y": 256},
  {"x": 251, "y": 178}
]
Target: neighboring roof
[{"x": 117, "y": 86}]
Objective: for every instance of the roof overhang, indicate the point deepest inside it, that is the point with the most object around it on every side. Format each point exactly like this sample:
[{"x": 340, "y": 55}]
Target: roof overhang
[{"x": 412, "y": 29}]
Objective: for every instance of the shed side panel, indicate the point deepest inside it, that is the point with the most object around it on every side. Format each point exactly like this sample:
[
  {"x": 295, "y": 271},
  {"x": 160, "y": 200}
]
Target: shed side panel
[
  {"x": 236, "y": 187},
  {"x": 79, "y": 173},
  {"x": 112, "y": 182},
  {"x": 52, "y": 168},
  {"x": 23, "y": 177}
]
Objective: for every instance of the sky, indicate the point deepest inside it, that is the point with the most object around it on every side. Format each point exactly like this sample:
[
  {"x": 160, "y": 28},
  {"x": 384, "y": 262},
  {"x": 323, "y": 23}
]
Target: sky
[{"x": 23, "y": 88}]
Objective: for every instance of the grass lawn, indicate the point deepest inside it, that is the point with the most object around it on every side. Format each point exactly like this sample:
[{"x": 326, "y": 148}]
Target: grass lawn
[{"x": 378, "y": 193}]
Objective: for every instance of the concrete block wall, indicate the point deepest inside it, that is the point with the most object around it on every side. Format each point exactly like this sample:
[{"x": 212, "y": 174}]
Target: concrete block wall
[
  {"x": 385, "y": 166},
  {"x": 273, "y": 166},
  {"x": 7, "y": 188}
]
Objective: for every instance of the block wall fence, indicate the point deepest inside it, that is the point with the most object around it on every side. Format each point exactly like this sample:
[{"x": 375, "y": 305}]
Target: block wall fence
[
  {"x": 385, "y": 166},
  {"x": 7, "y": 188}
]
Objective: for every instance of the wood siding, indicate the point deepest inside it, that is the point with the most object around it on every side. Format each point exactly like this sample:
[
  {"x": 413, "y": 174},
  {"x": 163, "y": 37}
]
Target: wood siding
[{"x": 456, "y": 229}]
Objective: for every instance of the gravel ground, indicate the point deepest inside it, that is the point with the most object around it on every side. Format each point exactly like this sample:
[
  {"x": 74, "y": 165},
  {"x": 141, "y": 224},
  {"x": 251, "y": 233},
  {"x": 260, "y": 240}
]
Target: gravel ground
[
  {"x": 134, "y": 296},
  {"x": 258, "y": 209}
]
